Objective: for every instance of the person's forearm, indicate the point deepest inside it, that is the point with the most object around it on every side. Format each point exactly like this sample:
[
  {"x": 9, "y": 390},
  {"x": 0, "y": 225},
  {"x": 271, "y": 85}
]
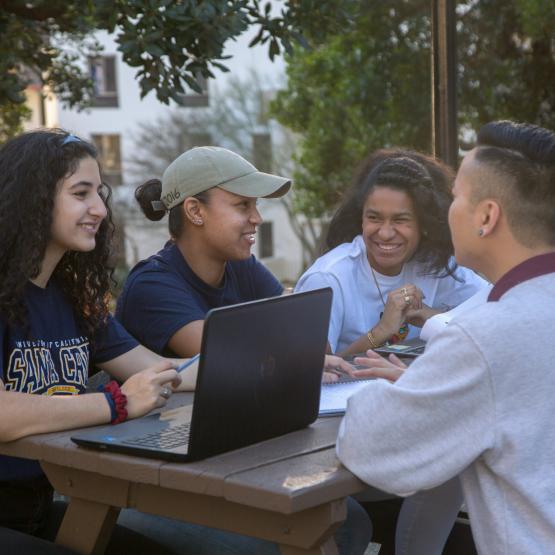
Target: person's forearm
[
  {"x": 429, "y": 312},
  {"x": 375, "y": 337},
  {"x": 131, "y": 362},
  {"x": 23, "y": 414}
]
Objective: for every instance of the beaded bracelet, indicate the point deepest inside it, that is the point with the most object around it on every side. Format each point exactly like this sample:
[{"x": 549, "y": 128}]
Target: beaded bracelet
[{"x": 117, "y": 401}]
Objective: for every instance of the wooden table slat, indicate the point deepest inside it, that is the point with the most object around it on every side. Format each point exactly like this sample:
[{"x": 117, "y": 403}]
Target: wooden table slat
[
  {"x": 293, "y": 485},
  {"x": 207, "y": 476}
]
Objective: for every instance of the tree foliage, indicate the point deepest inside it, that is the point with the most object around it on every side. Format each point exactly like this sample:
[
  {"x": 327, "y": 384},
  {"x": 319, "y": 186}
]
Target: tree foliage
[
  {"x": 170, "y": 42},
  {"x": 371, "y": 87},
  {"x": 359, "y": 90},
  {"x": 507, "y": 62}
]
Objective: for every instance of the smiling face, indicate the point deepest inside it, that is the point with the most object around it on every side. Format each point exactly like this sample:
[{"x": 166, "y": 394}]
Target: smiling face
[
  {"x": 78, "y": 210},
  {"x": 390, "y": 229},
  {"x": 229, "y": 225}
]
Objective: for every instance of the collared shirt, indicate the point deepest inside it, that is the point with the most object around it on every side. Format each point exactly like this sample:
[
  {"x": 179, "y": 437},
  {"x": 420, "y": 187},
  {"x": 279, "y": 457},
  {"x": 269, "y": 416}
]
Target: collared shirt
[{"x": 531, "y": 268}]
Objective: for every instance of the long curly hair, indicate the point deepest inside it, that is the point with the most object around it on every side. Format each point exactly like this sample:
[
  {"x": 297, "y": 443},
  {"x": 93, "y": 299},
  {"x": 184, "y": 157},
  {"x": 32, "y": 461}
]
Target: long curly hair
[
  {"x": 32, "y": 166},
  {"x": 428, "y": 183}
]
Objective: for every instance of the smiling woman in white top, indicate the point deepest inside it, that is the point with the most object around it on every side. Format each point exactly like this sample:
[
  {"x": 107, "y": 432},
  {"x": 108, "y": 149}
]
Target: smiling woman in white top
[
  {"x": 390, "y": 265},
  {"x": 389, "y": 259}
]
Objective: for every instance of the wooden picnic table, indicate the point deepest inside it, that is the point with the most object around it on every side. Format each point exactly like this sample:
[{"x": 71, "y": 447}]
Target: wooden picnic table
[{"x": 290, "y": 490}]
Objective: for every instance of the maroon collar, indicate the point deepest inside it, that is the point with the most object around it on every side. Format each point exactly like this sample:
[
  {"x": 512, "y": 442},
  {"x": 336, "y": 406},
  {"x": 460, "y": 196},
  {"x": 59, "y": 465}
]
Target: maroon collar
[{"x": 531, "y": 268}]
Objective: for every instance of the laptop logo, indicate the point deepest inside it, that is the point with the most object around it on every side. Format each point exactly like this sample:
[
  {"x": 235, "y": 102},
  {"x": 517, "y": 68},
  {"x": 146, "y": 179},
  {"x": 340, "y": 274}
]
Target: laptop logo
[{"x": 268, "y": 367}]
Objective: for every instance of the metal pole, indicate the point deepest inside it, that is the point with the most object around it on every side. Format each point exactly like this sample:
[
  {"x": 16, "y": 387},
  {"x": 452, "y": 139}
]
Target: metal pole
[{"x": 444, "y": 81}]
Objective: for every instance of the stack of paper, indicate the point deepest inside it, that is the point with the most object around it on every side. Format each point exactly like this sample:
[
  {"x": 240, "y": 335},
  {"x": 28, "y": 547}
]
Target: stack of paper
[{"x": 333, "y": 399}]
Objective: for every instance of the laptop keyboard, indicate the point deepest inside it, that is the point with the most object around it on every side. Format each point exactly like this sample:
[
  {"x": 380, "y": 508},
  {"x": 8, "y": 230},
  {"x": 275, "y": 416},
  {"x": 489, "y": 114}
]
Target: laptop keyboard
[{"x": 171, "y": 438}]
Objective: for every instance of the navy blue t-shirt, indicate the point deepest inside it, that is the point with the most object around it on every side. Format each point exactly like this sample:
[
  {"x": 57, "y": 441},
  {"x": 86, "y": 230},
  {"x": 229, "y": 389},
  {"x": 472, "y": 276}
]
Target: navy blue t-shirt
[
  {"x": 52, "y": 357},
  {"x": 162, "y": 294}
]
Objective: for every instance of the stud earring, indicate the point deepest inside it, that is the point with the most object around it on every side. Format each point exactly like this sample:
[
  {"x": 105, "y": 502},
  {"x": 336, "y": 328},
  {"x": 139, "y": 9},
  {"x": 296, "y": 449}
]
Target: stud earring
[
  {"x": 480, "y": 232},
  {"x": 197, "y": 221}
]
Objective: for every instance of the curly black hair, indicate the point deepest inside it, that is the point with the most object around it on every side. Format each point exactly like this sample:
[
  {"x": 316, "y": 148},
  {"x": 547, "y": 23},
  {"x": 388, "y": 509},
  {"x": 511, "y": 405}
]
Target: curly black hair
[
  {"x": 31, "y": 168},
  {"x": 427, "y": 181}
]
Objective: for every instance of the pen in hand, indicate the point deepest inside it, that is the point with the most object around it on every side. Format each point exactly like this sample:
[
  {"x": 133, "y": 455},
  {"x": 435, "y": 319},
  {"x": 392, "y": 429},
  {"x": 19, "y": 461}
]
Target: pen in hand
[{"x": 187, "y": 363}]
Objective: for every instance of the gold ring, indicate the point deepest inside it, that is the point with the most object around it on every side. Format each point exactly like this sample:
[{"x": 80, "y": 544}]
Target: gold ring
[{"x": 407, "y": 299}]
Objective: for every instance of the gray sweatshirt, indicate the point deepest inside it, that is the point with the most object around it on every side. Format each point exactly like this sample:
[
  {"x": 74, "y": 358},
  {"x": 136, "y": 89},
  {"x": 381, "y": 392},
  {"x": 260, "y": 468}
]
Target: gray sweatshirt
[{"x": 479, "y": 403}]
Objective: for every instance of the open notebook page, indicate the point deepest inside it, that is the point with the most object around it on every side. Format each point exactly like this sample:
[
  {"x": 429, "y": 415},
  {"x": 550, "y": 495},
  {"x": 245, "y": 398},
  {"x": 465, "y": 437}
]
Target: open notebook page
[{"x": 333, "y": 398}]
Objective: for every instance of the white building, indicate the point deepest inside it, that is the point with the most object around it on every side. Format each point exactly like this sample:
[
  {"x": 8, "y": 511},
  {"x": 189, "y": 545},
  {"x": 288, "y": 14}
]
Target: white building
[{"x": 112, "y": 125}]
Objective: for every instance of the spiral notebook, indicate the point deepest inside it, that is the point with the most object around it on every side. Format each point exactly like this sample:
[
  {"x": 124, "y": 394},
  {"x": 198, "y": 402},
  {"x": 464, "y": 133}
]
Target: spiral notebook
[{"x": 333, "y": 397}]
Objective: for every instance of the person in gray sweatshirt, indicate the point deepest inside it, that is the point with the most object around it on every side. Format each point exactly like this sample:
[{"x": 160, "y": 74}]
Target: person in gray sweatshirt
[{"x": 479, "y": 403}]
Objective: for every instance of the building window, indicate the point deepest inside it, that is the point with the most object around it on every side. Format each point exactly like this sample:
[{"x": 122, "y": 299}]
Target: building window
[
  {"x": 194, "y": 99},
  {"x": 199, "y": 139},
  {"x": 265, "y": 99},
  {"x": 109, "y": 156},
  {"x": 266, "y": 238},
  {"x": 103, "y": 75},
  {"x": 262, "y": 151}
]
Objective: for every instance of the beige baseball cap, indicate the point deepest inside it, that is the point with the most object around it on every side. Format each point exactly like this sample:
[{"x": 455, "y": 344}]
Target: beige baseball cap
[{"x": 204, "y": 167}]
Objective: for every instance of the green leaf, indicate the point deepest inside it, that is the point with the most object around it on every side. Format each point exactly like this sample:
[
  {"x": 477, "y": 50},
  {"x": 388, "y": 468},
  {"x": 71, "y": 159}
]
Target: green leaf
[
  {"x": 154, "y": 50},
  {"x": 274, "y": 49}
]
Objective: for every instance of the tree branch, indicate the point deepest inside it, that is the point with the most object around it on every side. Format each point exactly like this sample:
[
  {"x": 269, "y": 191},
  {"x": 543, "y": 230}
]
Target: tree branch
[{"x": 51, "y": 10}]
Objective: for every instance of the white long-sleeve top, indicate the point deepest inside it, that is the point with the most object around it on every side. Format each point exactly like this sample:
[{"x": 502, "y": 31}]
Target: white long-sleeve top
[{"x": 479, "y": 403}]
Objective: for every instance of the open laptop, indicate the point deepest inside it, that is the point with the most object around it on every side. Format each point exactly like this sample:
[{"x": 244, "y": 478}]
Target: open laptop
[{"x": 259, "y": 377}]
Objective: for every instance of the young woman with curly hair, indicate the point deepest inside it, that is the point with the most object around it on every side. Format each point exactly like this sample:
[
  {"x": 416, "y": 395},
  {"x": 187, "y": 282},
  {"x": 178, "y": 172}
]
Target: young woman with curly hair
[
  {"x": 55, "y": 234},
  {"x": 389, "y": 259}
]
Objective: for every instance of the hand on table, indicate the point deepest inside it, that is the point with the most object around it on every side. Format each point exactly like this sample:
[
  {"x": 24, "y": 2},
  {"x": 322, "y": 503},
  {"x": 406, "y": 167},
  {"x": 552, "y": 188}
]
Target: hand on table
[
  {"x": 150, "y": 388},
  {"x": 334, "y": 368},
  {"x": 390, "y": 368}
]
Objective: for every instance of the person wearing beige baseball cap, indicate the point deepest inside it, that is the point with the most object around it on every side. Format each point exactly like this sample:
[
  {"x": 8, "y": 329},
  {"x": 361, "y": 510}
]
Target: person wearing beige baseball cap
[{"x": 210, "y": 195}]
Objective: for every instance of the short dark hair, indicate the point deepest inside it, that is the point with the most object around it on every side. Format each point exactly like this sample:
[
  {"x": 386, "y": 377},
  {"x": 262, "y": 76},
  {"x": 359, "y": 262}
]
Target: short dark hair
[
  {"x": 428, "y": 183},
  {"x": 31, "y": 167},
  {"x": 523, "y": 158}
]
